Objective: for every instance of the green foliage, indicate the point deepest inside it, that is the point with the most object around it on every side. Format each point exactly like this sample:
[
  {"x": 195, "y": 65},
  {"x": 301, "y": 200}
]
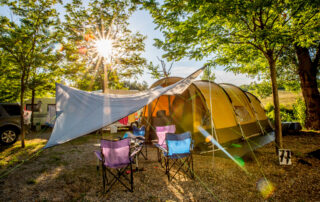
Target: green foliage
[
  {"x": 158, "y": 72},
  {"x": 240, "y": 34},
  {"x": 286, "y": 114},
  {"x": 299, "y": 110},
  {"x": 208, "y": 74},
  {"x": 261, "y": 90},
  {"x": 297, "y": 114},
  {"x": 10, "y": 83},
  {"x": 84, "y": 26},
  {"x": 27, "y": 47},
  {"x": 154, "y": 71},
  {"x": 135, "y": 85}
]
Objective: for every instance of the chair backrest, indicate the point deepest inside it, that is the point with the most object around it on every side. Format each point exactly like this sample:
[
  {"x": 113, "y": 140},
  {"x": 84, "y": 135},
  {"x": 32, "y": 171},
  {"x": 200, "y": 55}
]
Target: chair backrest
[
  {"x": 116, "y": 153},
  {"x": 161, "y": 133},
  {"x": 139, "y": 131},
  {"x": 178, "y": 144}
]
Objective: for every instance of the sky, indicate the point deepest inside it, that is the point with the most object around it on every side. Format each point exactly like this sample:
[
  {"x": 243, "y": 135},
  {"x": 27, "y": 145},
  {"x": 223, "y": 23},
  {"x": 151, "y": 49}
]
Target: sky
[{"x": 141, "y": 21}]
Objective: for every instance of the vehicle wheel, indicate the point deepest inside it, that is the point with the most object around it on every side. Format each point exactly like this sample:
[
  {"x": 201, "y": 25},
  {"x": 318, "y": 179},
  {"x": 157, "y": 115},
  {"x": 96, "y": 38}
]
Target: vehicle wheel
[{"x": 8, "y": 135}]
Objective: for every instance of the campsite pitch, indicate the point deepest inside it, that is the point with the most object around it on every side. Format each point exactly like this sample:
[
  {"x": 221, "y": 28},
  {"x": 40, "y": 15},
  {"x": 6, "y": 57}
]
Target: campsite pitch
[{"x": 68, "y": 173}]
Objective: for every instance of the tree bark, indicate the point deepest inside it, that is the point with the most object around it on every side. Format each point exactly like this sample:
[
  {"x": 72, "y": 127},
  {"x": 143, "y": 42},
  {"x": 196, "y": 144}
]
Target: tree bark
[
  {"x": 105, "y": 78},
  {"x": 275, "y": 95},
  {"x": 21, "y": 108},
  {"x": 307, "y": 70}
]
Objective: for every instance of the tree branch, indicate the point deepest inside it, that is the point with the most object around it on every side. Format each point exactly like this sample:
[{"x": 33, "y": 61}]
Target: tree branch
[
  {"x": 257, "y": 47},
  {"x": 278, "y": 54},
  {"x": 245, "y": 22},
  {"x": 260, "y": 19},
  {"x": 293, "y": 14},
  {"x": 305, "y": 23}
]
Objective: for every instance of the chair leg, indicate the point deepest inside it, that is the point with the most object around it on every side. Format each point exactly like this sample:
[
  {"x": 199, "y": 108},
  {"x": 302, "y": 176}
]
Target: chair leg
[
  {"x": 146, "y": 151},
  {"x": 117, "y": 178},
  {"x": 167, "y": 169},
  {"x": 192, "y": 171},
  {"x": 137, "y": 162},
  {"x": 103, "y": 172},
  {"x": 131, "y": 177},
  {"x": 159, "y": 158}
]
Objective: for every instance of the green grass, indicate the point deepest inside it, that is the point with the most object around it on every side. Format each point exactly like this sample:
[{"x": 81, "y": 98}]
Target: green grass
[{"x": 15, "y": 154}]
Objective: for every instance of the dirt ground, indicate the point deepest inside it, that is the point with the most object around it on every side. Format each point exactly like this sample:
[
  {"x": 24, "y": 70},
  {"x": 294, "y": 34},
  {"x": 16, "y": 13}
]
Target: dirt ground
[{"x": 68, "y": 173}]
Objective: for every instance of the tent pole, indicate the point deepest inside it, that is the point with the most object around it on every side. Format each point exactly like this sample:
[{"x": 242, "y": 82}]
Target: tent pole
[
  {"x": 149, "y": 122},
  {"x": 169, "y": 104},
  {"x": 237, "y": 120},
  {"x": 234, "y": 114},
  {"x": 213, "y": 128},
  {"x": 254, "y": 111},
  {"x": 256, "y": 116}
]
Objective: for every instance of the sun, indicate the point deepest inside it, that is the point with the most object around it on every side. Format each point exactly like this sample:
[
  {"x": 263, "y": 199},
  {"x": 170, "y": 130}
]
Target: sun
[{"x": 103, "y": 47}]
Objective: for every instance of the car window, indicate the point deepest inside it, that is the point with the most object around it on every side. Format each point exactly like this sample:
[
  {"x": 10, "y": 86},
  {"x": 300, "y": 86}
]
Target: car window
[
  {"x": 36, "y": 107},
  {"x": 12, "y": 110}
]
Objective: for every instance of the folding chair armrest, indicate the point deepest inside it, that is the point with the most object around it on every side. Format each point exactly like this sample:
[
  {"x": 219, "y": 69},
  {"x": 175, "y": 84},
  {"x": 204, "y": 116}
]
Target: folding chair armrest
[
  {"x": 160, "y": 147},
  {"x": 98, "y": 155},
  {"x": 140, "y": 138},
  {"x": 136, "y": 151}
]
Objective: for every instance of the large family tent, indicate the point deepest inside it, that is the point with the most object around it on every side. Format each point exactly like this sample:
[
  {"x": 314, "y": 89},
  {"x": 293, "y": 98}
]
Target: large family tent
[{"x": 224, "y": 110}]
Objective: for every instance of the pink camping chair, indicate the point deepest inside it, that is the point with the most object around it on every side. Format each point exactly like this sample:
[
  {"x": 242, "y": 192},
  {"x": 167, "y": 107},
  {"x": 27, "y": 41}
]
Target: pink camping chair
[
  {"x": 161, "y": 134},
  {"x": 116, "y": 157}
]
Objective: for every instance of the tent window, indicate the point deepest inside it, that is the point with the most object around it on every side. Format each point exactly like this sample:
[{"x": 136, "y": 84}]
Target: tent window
[{"x": 242, "y": 113}]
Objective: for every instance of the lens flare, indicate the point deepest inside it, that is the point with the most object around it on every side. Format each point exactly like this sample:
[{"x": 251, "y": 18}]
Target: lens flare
[
  {"x": 208, "y": 139},
  {"x": 239, "y": 160},
  {"x": 207, "y": 135},
  {"x": 265, "y": 187},
  {"x": 83, "y": 50},
  {"x": 236, "y": 145},
  {"x": 104, "y": 47}
]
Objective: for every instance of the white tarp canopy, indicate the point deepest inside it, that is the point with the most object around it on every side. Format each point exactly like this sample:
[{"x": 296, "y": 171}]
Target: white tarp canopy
[{"x": 80, "y": 112}]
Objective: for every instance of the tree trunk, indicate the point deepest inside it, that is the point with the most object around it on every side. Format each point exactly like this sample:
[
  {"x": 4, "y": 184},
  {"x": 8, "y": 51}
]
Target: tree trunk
[
  {"x": 105, "y": 78},
  {"x": 307, "y": 71},
  {"x": 21, "y": 109},
  {"x": 275, "y": 96},
  {"x": 32, "y": 105}
]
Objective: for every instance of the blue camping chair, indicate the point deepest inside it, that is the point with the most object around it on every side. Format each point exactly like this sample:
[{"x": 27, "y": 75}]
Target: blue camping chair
[
  {"x": 178, "y": 154},
  {"x": 140, "y": 132},
  {"x": 138, "y": 135}
]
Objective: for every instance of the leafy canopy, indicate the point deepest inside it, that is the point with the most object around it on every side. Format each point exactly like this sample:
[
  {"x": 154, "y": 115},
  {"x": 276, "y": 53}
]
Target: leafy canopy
[
  {"x": 242, "y": 35},
  {"x": 101, "y": 19},
  {"x": 27, "y": 45}
]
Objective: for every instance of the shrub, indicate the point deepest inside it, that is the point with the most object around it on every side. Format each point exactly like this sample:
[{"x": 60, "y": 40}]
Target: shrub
[
  {"x": 297, "y": 114},
  {"x": 286, "y": 114},
  {"x": 299, "y": 111}
]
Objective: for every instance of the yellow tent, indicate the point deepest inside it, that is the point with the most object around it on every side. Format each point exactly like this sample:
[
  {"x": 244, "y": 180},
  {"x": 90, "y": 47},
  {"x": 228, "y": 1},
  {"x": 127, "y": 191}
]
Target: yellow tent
[{"x": 224, "y": 110}]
